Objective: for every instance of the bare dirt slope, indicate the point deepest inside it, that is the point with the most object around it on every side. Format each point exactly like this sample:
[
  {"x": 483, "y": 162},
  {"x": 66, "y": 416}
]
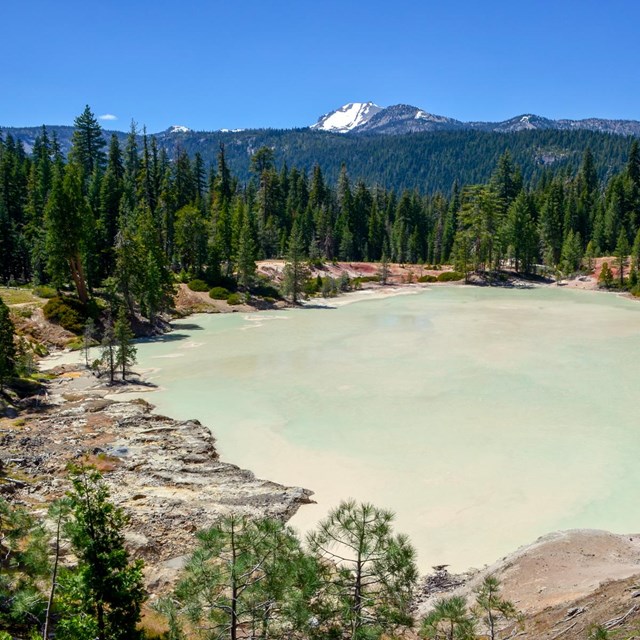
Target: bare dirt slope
[{"x": 567, "y": 581}]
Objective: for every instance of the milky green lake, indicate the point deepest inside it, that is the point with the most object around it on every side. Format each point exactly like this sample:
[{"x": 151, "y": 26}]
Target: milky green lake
[{"x": 483, "y": 417}]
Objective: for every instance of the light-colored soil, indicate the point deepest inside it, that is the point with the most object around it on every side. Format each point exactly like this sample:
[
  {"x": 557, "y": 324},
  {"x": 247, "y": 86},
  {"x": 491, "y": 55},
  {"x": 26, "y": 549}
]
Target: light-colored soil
[
  {"x": 594, "y": 572},
  {"x": 398, "y": 273}
]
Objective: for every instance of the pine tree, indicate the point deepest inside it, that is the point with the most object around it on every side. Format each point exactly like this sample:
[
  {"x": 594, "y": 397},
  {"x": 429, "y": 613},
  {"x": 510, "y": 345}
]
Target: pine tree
[
  {"x": 606, "y": 276},
  {"x": 384, "y": 270},
  {"x": 296, "y": 272},
  {"x": 125, "y": 354},
  {"x": 449, "y": 620},
  {"x": 372, "y": 591},
  {"x": 108, "y": 356},
  {"x": 88, "y": 144},
  {"x": 246, "y": 259},
  {"x": 7, "y": 345},
  {"x": 621, "y": 254},
  {"x": 571, "y": 256},
  {"x": 492, "y": 608},
  {"x": 112, "y": 584},
  {"x": 66, "y": 221},
  {"x": 246, "y": 578}
]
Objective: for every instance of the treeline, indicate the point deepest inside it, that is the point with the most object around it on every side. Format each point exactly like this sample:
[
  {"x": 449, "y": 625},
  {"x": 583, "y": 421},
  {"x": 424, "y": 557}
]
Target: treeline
[
  {"x": 352, "y": 578},
  {"x": 128, "y": 220},
  {"x": 426, "y": 162}
]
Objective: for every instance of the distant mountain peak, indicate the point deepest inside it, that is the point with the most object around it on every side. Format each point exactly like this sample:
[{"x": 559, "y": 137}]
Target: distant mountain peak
[
  {"x": 178, "y": 128},
  {"x": 348, "y": 117}
]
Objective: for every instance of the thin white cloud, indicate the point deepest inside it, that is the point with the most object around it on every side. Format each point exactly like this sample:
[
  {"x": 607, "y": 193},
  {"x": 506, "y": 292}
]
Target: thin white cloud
[{"x": 108, "y": 116}]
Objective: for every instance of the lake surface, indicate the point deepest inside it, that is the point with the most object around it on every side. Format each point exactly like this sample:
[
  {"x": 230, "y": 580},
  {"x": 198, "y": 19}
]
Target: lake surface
[{"x": 483, "y": 417}]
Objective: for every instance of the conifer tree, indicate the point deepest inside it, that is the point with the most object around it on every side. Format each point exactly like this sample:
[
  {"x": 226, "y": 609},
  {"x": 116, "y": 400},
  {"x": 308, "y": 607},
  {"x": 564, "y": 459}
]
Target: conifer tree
[
  {"x": 7, "y": 345},
  {"x": 246, "y": 259},
  {"x": 88, "y": 144},
  {"x": 492, "y": 608},
  {"x": 66, "y": 220},
  {"x": 125, "y": 353},
  {"x": 621, "y": 253},
  {"x": 111, "y": 584},
  {"x": 376, "y": 572},
  {"x": 108, "y": 356},
  {"x": 247, "y": 578},
  {"x": 296, "y": 272}
]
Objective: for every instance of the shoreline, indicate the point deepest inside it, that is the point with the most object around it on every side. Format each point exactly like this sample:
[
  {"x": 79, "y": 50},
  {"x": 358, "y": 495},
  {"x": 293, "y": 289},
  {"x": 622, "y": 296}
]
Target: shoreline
[{"x": 585, "y": 555}]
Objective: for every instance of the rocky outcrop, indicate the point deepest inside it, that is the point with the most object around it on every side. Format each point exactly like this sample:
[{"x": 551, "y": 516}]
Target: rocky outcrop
[{"x": 165, "y": 473}]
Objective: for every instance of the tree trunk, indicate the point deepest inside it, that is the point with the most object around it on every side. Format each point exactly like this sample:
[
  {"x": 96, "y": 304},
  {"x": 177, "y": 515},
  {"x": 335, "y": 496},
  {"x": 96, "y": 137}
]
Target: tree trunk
[
  {"x": 54, "y": 577},
  {"x": 77, "y": 274}
]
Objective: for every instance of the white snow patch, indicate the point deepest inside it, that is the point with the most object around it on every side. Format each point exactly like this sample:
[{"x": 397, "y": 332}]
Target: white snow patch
[
  {"x": 178, "y": 128},
  {"x": 348, "y": 117}
]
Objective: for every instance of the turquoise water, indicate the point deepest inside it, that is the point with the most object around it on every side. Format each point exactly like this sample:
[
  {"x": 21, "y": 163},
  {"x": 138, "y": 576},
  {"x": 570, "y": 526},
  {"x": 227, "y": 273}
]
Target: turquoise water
[{"x": 483, "y": 417}]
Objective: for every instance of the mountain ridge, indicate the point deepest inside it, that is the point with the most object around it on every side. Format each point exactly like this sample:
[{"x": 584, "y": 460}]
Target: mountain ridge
[{"x": 403, "y": 118}]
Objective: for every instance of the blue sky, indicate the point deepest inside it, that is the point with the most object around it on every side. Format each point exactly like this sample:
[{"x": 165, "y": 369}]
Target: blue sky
[{"x": 276, "y": 63}]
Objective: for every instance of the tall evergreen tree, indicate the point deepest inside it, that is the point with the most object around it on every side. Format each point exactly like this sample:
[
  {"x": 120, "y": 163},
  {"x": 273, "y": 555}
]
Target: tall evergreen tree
[
  {"x": 87, "y": 143},
  {"x": 296, "y": 272},
  {"x": 67, "y": 218}
]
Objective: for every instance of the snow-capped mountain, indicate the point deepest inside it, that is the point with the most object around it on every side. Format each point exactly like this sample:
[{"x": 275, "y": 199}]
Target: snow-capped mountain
[
  {"x": 369, "y": 118},
  {"x": 403, "y": 118},
  {"x": 178, "y": 128},
  {"x": 348, "y": 117}
]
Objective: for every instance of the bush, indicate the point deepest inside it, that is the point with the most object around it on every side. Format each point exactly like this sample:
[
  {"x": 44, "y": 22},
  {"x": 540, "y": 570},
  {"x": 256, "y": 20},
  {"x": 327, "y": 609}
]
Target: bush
[
  {"x": 450, "y": 276},
  {"x": 223, "y": 281},
  {"x": 360, "y": 279},
  {"x": 43, "y": 291},
  {"x": 219, "y": 293},
  {"x": 429, "y": 278},
  {"x": 69, "y": 313},
  {"x": 266, "y": 290},
  {"x": 234, "y": 299},
  {"x": 198, "y": 285}
]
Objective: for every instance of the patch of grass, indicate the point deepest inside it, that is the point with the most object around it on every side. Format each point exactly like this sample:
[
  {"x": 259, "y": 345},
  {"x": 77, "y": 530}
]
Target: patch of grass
[
  {"x": 43, "y": 291},
  {"x": 427, "y": 278},
  {"x": 12, "y": 296}
]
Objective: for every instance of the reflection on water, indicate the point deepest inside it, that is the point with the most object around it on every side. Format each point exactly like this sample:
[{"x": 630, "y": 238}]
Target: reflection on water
[{"x": 483, "y": 417}]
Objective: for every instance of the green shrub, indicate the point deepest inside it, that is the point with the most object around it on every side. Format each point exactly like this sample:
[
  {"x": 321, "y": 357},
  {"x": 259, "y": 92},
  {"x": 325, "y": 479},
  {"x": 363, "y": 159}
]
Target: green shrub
[
  {"x": 360, "y": 279},
  {"x": 198, "y": 285},
  {"x": 219, "y": 293},
  {"x": 43, "y": 291},
  {"x": 69, "y": 313},
  {"x": 450, "y": 276},
  {"x": 428, "y": 278},
  {"x": 223, "y": 281},
  {"x": 266, "y": 290},
  {"x": 234, "y": 299}
]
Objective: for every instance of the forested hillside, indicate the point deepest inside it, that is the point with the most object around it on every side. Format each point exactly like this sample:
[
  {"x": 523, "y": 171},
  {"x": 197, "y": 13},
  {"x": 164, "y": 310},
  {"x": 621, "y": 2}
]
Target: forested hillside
[
  {"x": 428, "y": 162},
  {"x": 127, "y": 219}
]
